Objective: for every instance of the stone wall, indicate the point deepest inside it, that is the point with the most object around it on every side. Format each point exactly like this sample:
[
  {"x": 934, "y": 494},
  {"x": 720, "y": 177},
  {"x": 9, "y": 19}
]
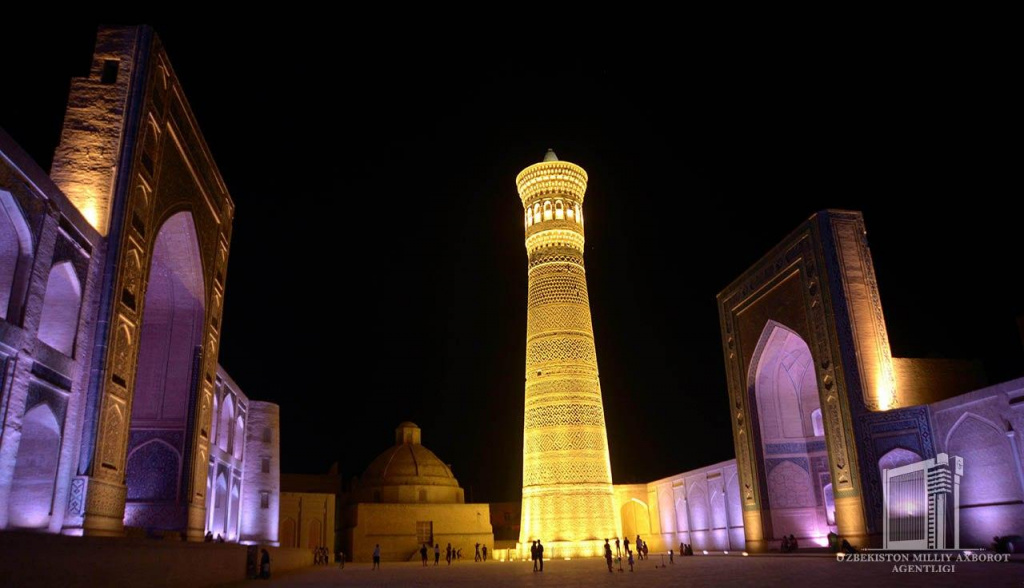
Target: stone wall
[
  {"x": 395, "y": 528},
  {"x": 700, "y": 507},
  {"x": 261, "y": 490},
  {"x": 49, "y": 286},
  {"x": 307, "y": 521}
]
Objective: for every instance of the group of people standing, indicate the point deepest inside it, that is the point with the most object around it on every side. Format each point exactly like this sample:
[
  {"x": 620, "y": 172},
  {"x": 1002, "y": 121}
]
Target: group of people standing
[
  {"x": 640, "y": 546},
  {"x": 537, "y": 555},
  {"x": 450, "y": 553},
  {"x": 321, "y": 556}
]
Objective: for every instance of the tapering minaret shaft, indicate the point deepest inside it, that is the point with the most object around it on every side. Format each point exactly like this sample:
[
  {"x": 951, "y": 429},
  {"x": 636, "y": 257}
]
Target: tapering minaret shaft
[{"x": 568, "y": 501}]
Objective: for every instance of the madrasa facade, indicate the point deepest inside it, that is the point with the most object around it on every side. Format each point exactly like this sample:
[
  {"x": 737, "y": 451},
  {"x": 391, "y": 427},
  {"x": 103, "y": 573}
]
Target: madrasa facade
[
  {"x": 832, "y": 433},
  {"x": 114, "y": 412}
]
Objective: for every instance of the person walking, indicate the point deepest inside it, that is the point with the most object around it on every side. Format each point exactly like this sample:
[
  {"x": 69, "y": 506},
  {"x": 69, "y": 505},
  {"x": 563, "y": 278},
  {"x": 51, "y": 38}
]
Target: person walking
[
  {"x": 376, "y": 557},
  {"x": 608, "y": 555},
  {"x": 477, "y": 557},
  {"x": 484, "y": 550}
]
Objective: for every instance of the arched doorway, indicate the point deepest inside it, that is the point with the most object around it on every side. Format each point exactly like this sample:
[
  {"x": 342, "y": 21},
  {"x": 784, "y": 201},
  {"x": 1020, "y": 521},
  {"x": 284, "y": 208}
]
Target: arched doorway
[
  {"x": 314, "y": 534},
  {"x": 58, "y": 322},
  {"x": 233, "y": 520},
  {"x": 792, "y": 451},
  {"x": 16, "y": 252},
  {"x": 220, "y": 506},
  {"x": 166, "y": 377},
  {"x": 636, "y": 520},
  {"x": 35, "y": 470},
  {"x": 288, "y": 532}
]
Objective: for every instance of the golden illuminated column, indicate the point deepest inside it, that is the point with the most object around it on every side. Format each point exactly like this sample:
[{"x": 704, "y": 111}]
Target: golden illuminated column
[{"x": 568, "y": 502}]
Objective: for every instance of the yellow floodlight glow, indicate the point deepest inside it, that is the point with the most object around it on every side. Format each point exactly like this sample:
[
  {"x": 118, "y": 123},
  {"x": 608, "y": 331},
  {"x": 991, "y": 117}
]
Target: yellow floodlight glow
[{"x": 568, "y": 501}]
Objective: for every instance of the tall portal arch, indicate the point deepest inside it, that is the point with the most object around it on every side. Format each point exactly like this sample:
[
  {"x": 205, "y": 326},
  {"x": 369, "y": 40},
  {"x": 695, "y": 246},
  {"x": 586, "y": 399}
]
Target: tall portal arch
[
  {"x": 149, "y": 185},
  {"x": 166, "y": 377},
  {"x": 819, "y": 282}
]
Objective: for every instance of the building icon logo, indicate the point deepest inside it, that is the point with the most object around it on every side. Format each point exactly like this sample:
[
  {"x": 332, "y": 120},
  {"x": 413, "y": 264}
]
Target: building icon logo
[{"x": 921, "y": 504}]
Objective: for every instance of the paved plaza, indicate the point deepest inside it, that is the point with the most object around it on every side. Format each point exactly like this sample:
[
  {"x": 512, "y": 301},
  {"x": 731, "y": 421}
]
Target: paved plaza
[{"x": 763, "y": 571}]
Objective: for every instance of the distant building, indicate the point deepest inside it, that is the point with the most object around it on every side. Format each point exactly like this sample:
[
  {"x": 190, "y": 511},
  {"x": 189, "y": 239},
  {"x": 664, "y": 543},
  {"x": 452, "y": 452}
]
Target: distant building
[
  {"x": 309, "y": 514},
  {"x": 505, "y": 520},
  {"x": 406, "y": 498}
]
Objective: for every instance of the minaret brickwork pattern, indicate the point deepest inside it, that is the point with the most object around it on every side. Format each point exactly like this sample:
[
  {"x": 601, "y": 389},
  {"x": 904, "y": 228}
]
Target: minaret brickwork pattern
[{"x": 568, "y": 501}]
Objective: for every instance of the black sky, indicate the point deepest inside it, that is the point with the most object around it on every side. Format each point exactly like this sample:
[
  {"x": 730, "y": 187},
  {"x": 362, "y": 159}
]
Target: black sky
[{"x": 378, "y": 274}]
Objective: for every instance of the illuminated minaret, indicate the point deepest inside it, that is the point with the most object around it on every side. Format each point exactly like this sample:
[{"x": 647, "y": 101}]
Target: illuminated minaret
[{"x": 568, "y": 502}]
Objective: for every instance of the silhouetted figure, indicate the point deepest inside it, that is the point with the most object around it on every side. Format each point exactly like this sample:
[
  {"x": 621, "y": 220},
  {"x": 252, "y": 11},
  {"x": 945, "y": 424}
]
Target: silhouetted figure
[
  {"x": 630, "y": 559},
  {"x": 341, "y": 559},
  {"x": 448, "y": 554},
  {"x": 540, "y": 554},
  {"x": 264, "y": 564},
  {"x": 484, "y": 550},
  {"x": 533, "y": 554},
  {"x": 476, "y": 556},
  {"x": 1005, "y": 544},
  {"x": 645, "y": 550},
  {"x": 793, "y": 545},
  {"x": 437, "y": 553},
  {"x": 626, "y": 543},
  {"x": 376, "y": 557},
  {"x": 847, "y": 548},
  {"x": 208, "y": 538},
  {"x": 618, "y": 548},
  {"x": 423, "y": 554},
  {"x": 458, "y": 553},
  {"x": 608, "y": 555},
  {"x": 670, "y": 559},
  {"x": 220, "y": 538},
  {"x": 833, "y": 541}
]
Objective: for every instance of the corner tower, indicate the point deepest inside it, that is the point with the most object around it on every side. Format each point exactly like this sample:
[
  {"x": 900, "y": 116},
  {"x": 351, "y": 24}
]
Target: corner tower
[{"x": 568, "y": 501}]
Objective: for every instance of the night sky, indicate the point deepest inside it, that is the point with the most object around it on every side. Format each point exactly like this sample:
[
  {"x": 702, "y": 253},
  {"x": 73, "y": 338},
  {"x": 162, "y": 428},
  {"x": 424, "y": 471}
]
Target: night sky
[{"x": 378, "y": 274}]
